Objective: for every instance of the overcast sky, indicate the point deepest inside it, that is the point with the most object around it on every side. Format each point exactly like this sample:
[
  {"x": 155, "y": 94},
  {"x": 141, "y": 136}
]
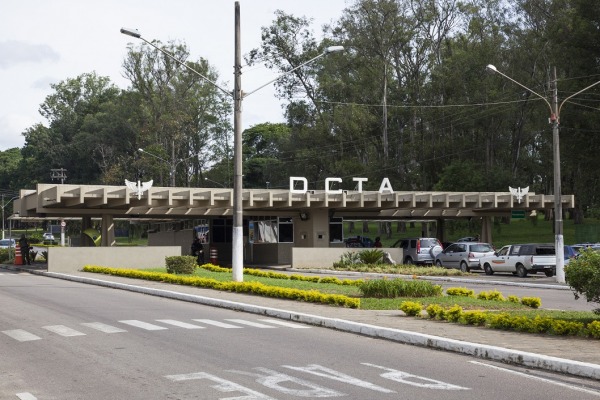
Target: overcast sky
[{"x": 44, "y": 42}]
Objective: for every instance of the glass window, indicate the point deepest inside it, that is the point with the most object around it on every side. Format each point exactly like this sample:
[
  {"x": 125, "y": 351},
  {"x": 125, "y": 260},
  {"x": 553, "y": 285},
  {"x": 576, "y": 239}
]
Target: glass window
[
  {"x": 222, "y": 230},
  {"x": 336, "y": 229},
  {"x": 286, "y": 230}
]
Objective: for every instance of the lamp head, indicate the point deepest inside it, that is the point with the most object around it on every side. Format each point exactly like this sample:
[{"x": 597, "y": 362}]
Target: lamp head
[
  {"x": 140, "y": 149},
  {"x": 491, "y": 67},
  {"x": 333, "y": 49},
  {"x": 131, "y": 32}
]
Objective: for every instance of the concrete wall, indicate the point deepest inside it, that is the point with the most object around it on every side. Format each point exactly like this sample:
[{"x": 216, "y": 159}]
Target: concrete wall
[
  {"x": 303, "y": 257},
  {"x": 70, "y": 259}
]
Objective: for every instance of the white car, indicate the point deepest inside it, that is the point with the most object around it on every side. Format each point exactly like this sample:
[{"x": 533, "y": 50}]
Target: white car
[
  {"x": 48, "y": 236},
  {"x": 6, "y": 243}
]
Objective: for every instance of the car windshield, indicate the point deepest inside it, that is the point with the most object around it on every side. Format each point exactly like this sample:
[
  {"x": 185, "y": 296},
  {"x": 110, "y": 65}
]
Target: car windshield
[
  {"x": 482, "y": 248},
  {"x": 429, "y": 242}
]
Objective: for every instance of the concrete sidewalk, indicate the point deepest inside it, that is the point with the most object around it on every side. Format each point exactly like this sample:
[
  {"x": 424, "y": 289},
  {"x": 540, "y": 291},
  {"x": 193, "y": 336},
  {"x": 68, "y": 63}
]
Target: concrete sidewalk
[{"x": 570, "y": 355}]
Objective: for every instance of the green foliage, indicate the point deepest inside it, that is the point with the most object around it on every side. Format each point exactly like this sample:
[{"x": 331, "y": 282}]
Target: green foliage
[
  {"x": 5, "y": 255},
  {"x": 593, "y": 329},
  {"x": 435, "y": 311},
  {"x": 491, "y": 295},
  {"x": 533, "y": 302},
  {"x": 391, "y": 288},
  {"x": 347, "y": 259},
  {"x": 180, "y": 264},
  {"x": 257, "y": 288},
  {"x": 454, "y": 313},
  {"x": 460, "y": 291},
  {"x": 411, "y": 308},
  {"x": 374, "y": 256},
  {"x": 477, "y": 318},
  {"x": 513, "y": 299},
  {"x": 583, "y": 275}
]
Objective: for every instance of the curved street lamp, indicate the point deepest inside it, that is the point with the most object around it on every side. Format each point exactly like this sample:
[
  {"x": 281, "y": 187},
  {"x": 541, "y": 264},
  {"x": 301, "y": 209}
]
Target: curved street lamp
[
  {"x": 238, "y": 96},
  {"x": 210, "y": 180},
  {"x": 555, "y": 121}
]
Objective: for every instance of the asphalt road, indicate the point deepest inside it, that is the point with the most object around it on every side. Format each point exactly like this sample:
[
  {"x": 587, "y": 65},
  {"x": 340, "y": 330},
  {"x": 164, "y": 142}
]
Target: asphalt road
[{"x": 64, "y": 340}]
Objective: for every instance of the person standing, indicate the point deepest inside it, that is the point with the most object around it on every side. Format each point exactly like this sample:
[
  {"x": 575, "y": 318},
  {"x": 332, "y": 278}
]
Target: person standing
[
  {"x": 25, "y": 248},
  {"x": 198, "y": 251},
  {"x": 377, "y": 242}
]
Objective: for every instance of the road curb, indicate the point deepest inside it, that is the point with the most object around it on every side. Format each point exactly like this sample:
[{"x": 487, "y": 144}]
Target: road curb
[{"x": 494, "y": 353}]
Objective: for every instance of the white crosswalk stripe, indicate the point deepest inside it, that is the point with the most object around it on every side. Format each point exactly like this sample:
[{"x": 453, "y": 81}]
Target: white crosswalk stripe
[
  {"x": 180, "y": 324},
  {"x": 294, "y": 325},
  {"x": 218, "y": 323},
  {"x": 21, "y": 335},
  {"x": 99, "y": 326},
  {"x": 253, "y": 324},
  {"x": 143, "y": 325},
  {"x": 63, "y": 330}
]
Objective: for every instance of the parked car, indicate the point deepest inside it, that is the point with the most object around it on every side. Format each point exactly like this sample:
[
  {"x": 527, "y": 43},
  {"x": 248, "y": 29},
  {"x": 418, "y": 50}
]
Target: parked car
[
  {"x": 419, "y": 250},
  {"x": 48, "y": 236},
  {"x": 6, "y": 243},
  {"x": 469, "y": 239},
  {"x": 522, "y": 259},
  {"x": 570, "y": 253},
  {"x": 359, "y": 241},
  {"x": 464, "y": 255}
]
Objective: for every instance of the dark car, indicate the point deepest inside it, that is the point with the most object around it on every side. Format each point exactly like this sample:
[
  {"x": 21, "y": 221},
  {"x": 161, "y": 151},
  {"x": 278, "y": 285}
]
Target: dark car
[{"x": 359, "y": 241}]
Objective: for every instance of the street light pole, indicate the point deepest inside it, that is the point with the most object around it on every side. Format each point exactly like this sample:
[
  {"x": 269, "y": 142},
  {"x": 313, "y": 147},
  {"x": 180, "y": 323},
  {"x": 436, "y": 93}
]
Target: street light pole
[
  {"x": 555, "y": 121},
  {"x": 238, "y": 96}
]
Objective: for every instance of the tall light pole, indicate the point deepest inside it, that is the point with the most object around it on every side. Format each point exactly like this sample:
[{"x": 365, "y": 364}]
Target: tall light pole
[
  {"x": 238, "y": 96},
  {"x": 555, "y": 121},
  {"x": 3, "y": 206}
]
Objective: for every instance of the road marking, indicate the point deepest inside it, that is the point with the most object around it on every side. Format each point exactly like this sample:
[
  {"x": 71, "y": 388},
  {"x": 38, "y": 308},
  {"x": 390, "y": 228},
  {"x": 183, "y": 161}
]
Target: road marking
[
  {"x": 180, "y": 324},
  {"x": 99, "y": 326},
  {"x": 21, "y": 335},
  {"x": 573, "y": 387},
  {"x": 294, "y": 325},
  {"x": 143, "y": 325},
  {"x": 250, "y": 323},
  {"x": 217, "y": 323},
  {"x": 63, "y": 330},
  {"x": 26, "y": 396}
]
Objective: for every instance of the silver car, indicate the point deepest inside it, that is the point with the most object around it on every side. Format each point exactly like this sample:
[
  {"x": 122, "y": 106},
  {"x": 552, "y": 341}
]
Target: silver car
[
  {"x": 419, "y": 250},
  {"x": 464, "y": 255}
]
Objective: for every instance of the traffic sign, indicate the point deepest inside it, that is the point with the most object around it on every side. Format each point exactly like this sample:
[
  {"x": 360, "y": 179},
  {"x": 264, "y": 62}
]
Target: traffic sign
[{"x": 517, "y": 214}]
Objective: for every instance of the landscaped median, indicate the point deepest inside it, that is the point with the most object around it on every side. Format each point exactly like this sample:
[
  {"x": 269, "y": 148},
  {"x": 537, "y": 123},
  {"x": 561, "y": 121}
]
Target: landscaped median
[{"x": 312, "y": 296}]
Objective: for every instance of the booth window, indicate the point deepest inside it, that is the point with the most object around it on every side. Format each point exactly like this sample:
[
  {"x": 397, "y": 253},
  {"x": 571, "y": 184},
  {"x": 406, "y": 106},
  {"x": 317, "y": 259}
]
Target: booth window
[
  {"x": 222, "y": 230},
  {"x": 265, "y": 230},
  {"x": 336, "y": 229},
  {"x": 286, "y": 230}
]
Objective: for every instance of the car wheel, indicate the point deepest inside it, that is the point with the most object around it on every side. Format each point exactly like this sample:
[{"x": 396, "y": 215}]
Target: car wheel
[
  {"x": 549, "y": 273},
  {"x": 464, "y": 267},
  {"x": 408, "y": 261},
  {"x": 488, "y": 269},
  {"x": 439, "y": 263},
  {"x": 521, "y": 271}
]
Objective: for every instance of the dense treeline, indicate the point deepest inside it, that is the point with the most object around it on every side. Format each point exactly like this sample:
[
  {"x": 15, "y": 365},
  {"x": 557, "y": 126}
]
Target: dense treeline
[{"x": 410, "y": 99}]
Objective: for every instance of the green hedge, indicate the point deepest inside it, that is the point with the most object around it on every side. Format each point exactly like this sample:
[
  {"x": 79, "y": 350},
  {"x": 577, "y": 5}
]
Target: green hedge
[
  {"x": 517, "y": 323},
  {"x": 312, "y": 296}
]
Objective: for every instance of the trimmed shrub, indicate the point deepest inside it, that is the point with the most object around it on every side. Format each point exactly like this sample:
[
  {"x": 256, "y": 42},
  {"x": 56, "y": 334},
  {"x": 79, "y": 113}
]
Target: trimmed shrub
[
  {"x": 513, "y": 299},
  {"x": 593, "y": 329},
  {"x": 392, "y": 288},
  {"x": 180, "y": 264},
  {"x": 533, "y": 302},
  {"x": 460, "y": 291},
  {"x": 477, "y": 318},
  {"x": 411, "y": 308},
  {"x": 435, "y": 311},
  {"x": 374, "y": 256},
  {"x": 454, "y": 313},
  {"x": 491, "y": 295},
  {"x": 583, "y": 275},
  {"x": 560, "y": 327}
]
